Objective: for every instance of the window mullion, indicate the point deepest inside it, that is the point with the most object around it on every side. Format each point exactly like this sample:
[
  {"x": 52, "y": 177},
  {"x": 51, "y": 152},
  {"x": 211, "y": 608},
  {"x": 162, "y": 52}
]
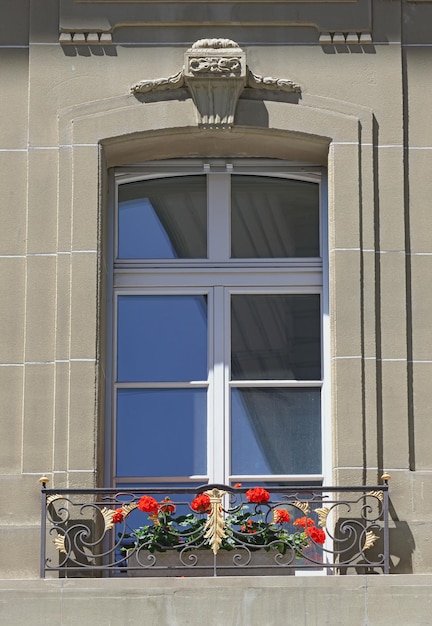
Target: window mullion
[
  {"x": 218, "y": 202},
  {"x": 217, "y": 436}
]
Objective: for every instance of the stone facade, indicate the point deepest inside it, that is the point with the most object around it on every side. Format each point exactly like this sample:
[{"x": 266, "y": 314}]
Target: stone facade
[{"x": 340, "y": 84}]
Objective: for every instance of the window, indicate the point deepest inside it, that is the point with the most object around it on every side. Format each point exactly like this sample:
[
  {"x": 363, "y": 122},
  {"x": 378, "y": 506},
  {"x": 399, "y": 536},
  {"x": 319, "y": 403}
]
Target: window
[{"x": 218, "y": 308}]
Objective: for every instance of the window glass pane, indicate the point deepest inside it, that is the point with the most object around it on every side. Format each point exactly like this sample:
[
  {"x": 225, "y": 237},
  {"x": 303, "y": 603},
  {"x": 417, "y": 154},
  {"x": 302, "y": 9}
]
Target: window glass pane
[
  {"x": 161, "y": 432},
  {"x": 274, "y": 218},
  {"x": 275, "y": 336},
  {"x": 164, "y": 219},
  {"x": 162, "y": 338},
  {"x": 275, "y": 431}
]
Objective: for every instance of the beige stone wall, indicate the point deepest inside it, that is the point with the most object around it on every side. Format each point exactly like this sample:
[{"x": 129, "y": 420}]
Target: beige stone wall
[{"x": 67, "y": 115}]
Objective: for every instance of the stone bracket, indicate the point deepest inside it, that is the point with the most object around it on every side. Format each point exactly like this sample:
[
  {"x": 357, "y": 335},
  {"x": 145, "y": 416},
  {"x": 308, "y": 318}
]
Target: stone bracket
[
  {"x": 215, "y": 72},
  {"x": 345, "y": 38},
  {"x": 85, "y": 38}
]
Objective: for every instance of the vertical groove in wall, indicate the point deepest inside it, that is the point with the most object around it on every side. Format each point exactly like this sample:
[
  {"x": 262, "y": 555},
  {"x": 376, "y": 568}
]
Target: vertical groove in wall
[
  {"x": 377, "y": 248},
  {"x": 362, "y": 312},
  {"x": 407, "y": 224},
  {"x": 25, "y": 268}
]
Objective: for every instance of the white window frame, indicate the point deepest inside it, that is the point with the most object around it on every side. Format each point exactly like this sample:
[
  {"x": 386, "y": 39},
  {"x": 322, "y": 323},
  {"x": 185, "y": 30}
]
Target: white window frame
[{"x": 292, "y": 275}]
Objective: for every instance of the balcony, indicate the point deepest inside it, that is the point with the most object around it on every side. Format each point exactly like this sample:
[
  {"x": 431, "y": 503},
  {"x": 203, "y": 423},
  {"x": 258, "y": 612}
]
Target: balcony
[{"x": 215, "y": 530}]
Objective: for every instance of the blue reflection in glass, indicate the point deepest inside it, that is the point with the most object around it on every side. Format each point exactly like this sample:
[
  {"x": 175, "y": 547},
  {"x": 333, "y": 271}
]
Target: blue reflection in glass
[
  {"x": 161, "y": 432},
  {"x": 163, "y": 219},
  {"x": 162, "y": 338},
  {"x": 275, "y": 431},
  {"x": 141, "y": 234}
]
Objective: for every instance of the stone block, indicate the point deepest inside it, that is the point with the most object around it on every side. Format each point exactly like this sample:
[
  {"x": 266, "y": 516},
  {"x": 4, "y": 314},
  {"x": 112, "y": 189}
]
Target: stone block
[
  {"x": 369, "y": 268},
  {"x": 84, "y": 300},
  {"x": 418, "y": 59},
  {"x": 347, "y": 412},
  {"x": 38, "y": 418},
  {"x": 63, "y": 306},
  {"x": 13, "y": 180},
  {"x": 420, "y": 190},
  {"x": 391, "y": 219},
  {"x": 65, "y": 191},
  {"x": 422, "y": 401},
  {"x": 399, "y": 600},
  {"x": 392, "y": 305},
  {"x": 83, "y": 416},
  {"x": 12, "y": 320},
  {"x": 15, "y": 23},
  {"x": 20, "y": 550},
  {"x": 22, "y": 493},
  {"x": 416, "y": 17},
  {"x": 15, "y": 73},
  {"x": 369, "y": 415},
  {"x": 368, "y": 195},
  {"x": 394, "y": 427},
  {"x": 44, "y": 21},
  {"x": 42, "y": 202},
  {"x": 344, "y": 200},
  {"x": 345, "y": 298},
  {"x": 11, "y": 392},
  {"x": 421, "y": 298},
  {"x": 86, "y": 199},
  {"x": 40, "y": 309},
  {"x": 61, "y": 418}
]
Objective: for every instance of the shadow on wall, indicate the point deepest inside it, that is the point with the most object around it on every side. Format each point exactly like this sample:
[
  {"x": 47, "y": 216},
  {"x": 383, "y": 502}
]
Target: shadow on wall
[
  {"x": 88, "y": 51},
  {"x": 345, "y": 48},
  {"x": 402, "y": 546}
]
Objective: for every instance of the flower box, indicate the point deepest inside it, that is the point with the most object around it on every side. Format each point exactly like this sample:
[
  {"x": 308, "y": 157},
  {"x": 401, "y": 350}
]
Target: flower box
[
  {"x": 203, "y": 563},
  {"x": 251, "y": 538}
]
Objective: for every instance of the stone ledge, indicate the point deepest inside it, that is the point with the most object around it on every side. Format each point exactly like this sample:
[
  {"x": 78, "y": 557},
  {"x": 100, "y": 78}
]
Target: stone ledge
[
  {"x": 172, "y": 585},
  {"x": 246, "y": 601}
]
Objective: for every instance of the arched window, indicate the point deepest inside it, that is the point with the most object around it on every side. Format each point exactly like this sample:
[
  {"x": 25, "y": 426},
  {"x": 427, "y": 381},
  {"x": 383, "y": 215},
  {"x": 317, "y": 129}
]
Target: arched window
[{"x": 218, "y": 308}]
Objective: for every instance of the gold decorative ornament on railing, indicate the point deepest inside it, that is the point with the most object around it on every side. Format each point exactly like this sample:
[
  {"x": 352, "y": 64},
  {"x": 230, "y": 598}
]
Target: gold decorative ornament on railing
[{"x": 215, "y": 524}]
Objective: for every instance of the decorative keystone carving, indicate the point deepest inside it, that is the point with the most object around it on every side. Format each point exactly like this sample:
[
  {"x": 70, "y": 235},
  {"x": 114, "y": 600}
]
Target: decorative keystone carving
[{"x": 215, "y": 72}]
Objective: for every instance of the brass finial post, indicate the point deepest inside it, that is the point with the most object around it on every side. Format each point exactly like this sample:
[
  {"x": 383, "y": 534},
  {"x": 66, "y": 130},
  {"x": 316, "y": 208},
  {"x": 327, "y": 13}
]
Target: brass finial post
[
  {"x": 44, "y": 480},
  {"x": 386, "y": 477}
]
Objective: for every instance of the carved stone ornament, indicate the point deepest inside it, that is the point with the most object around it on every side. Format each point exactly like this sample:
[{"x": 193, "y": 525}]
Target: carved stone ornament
[{"x": 215, "y": 72}]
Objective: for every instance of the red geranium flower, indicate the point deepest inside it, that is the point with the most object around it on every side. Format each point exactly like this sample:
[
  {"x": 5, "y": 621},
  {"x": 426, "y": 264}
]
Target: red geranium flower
[
  {"x": 237, "y": 485},
  {"x": 201, "y": 504},
  {"x": 247, "y": 527},
  {"x": 303, "y": 522},
  {"x": 147, "y": 504},
  {"x": 118, "y": 516},
  {"x": 167, "y": 505},
  {"x": 281, "y": 516},
  {"x": 316, "y": 534},
  {"x": 258, "y": 494}
]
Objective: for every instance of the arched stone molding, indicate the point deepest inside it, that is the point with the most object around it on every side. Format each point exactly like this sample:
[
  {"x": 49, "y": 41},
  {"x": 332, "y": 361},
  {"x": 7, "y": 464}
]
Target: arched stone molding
[
  {"x": 120, "y": 131},
  {"x": 121, "y": 120}
]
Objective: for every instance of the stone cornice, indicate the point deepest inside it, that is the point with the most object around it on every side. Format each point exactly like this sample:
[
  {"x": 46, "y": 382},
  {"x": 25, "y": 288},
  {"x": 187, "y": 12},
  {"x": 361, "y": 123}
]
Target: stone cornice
[{"x": 90, "y": 22}]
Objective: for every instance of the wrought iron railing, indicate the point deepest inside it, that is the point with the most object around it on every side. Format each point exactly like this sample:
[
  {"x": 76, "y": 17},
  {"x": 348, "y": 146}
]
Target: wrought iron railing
[{"x": 214, "y": 530}]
